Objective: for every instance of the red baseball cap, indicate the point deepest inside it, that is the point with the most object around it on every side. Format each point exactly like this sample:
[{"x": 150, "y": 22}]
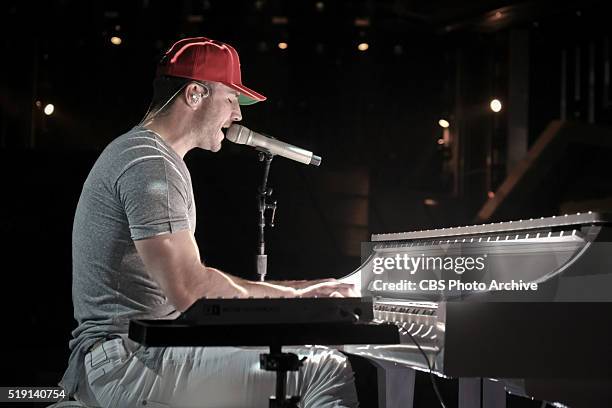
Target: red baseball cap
[{"x": 203, "y": 59}]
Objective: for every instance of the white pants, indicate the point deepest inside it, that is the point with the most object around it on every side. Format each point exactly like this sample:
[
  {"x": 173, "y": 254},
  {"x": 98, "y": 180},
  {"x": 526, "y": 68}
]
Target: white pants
[{"x": 215, "y": 377}]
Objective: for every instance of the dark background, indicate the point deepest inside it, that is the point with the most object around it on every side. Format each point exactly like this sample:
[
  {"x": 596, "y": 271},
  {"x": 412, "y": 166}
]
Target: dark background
[{"x": 372, "y": 115}]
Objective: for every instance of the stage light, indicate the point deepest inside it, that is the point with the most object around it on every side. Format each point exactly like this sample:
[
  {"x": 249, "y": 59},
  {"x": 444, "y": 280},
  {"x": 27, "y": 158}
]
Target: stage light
[
  {"x": 49, "y": 108},
  {"x": 430, "y": 202},
  {"x": 282, "y": 45},
  {"x": 496, "y": 105},
  {"x": 363, "y": 46},
  {"x": 116, "y": 40},
  {"x": 490, "y": 194},
  {"x": 443, "y": 123},
  {"x": 498, "y": 14},
  {"x": 440, "y": 142},
  {"x": 320, "y": 6}
]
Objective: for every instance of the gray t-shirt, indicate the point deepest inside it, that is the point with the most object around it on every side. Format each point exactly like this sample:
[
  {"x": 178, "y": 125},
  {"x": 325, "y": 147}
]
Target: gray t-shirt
[{"x": 138, "y": 188}]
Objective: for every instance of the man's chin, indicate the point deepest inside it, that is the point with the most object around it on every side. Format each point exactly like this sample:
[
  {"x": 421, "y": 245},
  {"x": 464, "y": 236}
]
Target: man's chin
[{"x": 211, "y": 147}]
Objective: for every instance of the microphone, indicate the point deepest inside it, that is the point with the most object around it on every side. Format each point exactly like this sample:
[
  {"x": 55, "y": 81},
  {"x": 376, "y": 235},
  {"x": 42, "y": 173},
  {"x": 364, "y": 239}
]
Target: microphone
[{"x": 242, "y": 135}]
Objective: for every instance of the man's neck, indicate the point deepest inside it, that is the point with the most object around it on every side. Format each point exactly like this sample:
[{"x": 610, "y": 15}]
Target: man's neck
[{"x": 174, "y": 135}]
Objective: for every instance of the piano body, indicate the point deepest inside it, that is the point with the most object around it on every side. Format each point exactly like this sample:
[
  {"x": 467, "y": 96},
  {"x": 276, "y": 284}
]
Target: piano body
[{"x": 550, "y": 344}]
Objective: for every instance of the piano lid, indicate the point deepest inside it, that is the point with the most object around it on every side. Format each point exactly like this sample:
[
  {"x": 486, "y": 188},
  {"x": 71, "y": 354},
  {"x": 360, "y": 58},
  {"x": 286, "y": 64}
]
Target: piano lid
[{"x": 588, "y": 218}]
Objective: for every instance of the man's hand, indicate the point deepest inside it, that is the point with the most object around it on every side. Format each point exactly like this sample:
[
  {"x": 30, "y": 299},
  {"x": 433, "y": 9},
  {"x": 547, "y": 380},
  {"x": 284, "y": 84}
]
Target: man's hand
[
  {"x": 299, "y": 284},
  {"x": 328, "y": 288}
]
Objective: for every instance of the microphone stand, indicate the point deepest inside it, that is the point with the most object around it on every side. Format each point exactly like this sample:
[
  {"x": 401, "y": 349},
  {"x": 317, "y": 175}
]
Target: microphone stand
[{"x": 264, "y": 193}]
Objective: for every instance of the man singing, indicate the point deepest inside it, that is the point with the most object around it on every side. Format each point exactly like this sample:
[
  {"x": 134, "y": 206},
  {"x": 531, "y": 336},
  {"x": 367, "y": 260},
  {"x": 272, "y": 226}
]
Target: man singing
[{"x": 135, "y": 257}]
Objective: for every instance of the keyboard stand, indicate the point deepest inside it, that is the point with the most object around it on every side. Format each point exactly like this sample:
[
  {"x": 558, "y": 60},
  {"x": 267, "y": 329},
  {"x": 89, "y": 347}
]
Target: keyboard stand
[{"x": 281, "y": 362}]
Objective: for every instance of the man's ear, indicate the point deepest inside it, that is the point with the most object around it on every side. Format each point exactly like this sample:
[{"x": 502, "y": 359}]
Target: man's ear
[
  {"x": 191, "y": 95},
  {"x": 195, "y": 92}
]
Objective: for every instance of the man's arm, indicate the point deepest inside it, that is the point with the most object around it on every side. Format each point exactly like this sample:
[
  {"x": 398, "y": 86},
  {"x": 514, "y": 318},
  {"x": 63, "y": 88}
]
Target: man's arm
[{"x": 173, "y": 261}]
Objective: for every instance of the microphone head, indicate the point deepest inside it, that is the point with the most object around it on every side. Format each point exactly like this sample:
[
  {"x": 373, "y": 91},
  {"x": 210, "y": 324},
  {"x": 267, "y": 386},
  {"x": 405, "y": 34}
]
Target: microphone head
[{"x": 238, "y": 134}]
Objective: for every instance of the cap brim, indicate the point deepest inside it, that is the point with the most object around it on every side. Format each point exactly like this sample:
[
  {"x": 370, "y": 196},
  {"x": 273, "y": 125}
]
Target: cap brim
[{"x": 247, "y": 96}]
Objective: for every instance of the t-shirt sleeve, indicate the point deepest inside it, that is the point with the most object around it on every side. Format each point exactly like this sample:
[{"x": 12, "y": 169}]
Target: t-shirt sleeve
[{"x": 154, "y": 195}]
